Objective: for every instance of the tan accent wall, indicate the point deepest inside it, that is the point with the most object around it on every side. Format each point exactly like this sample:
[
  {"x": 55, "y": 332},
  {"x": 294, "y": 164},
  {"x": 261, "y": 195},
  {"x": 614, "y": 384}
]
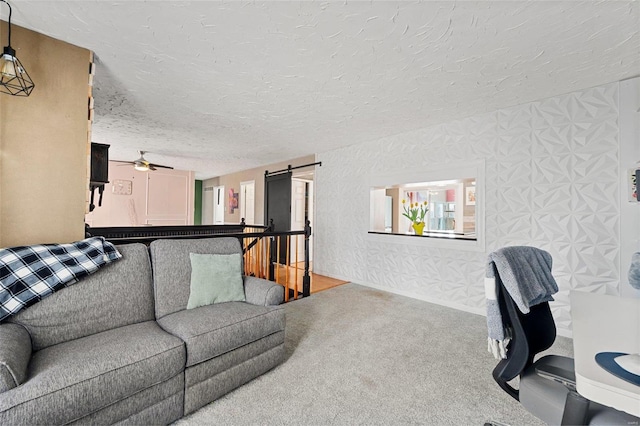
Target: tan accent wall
[
  {"x": 232, "y": 181},
  {"x": 43, "y": 144}
]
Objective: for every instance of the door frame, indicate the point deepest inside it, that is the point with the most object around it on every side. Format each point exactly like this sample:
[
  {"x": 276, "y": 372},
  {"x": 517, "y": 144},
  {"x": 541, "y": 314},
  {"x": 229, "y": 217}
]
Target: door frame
[
  {"x": 243, "y": 200},
  {"x": 217, "y": 192},
  {"x": 309, "y": 207}
]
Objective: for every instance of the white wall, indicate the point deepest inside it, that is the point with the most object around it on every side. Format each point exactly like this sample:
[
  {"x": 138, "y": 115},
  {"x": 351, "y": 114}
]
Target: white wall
[{"x": 553, "y": 180}]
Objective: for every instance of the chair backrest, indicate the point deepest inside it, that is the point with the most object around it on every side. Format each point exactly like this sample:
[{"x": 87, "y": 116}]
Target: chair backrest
[{"x": 532, "y": 333}]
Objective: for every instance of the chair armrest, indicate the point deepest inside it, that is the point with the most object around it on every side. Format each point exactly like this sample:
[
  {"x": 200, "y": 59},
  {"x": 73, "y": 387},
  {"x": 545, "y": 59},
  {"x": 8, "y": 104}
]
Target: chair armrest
[
  {"x": 15, "y": 354},
  {"x": 261, "y": 292}
]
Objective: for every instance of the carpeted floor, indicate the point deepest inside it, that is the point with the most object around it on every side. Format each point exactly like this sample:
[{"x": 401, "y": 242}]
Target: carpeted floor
[{"x": 361, "y": 356}]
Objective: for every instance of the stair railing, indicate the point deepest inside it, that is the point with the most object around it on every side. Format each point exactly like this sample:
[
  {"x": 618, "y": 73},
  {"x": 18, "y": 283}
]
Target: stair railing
[{"x": 274, "y": 256}]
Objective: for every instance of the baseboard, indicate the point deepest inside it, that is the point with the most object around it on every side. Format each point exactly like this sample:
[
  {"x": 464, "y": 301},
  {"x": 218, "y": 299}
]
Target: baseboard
[
  {"x": 458, "y": 306},
  {"x": 478, "y": 311},
  {"x": 448, "y": 304},
  {"x": 335, "y": 277}
]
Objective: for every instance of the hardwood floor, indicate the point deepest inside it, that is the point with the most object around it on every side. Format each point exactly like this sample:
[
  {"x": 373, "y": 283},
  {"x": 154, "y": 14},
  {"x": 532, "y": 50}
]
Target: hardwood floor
[
  {"x": 321, "y": 282},
  {"x": 295, "y": 274}
]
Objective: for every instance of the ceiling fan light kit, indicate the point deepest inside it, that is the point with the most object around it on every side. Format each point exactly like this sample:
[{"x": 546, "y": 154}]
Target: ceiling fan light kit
[
  {"x": 14, "y": 79},
  {"x": 143, "y": 165},
  {"x": 140, "y": 166}
]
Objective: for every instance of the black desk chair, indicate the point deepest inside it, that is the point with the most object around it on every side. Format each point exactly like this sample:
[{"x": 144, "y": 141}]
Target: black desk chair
[{"x": 547, "y": 386}]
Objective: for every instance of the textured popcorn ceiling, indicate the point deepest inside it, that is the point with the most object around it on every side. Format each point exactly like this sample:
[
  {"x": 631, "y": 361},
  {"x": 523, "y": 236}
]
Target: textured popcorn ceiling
[{"x": 218, "y": 87}]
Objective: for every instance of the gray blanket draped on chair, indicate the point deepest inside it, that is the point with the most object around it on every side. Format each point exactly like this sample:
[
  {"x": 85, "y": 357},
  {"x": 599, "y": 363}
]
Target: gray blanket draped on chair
[{"x": 526, "y": 274}]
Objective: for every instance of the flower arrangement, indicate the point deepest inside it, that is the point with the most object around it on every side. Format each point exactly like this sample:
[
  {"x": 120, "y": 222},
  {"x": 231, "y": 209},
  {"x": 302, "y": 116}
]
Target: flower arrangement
[{"x": 415, "y": 212}]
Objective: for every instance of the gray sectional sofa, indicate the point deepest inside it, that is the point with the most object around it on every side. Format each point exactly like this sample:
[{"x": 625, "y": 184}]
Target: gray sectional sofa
[{"x": 120, "y": 346}]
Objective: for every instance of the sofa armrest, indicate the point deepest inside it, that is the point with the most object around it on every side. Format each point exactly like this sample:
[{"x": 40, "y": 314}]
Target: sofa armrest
[
  {"x": 262, "y": 292},
  {"x": 15, "y": 354}
]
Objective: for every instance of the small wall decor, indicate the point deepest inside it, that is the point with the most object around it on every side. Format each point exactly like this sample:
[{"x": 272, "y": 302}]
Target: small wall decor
[
  {"x": 121, "y": 187},
  {"x": 633, "y": 185},
  {"x": 470, "y": 196},
  {"x": 233, "y": 200}
]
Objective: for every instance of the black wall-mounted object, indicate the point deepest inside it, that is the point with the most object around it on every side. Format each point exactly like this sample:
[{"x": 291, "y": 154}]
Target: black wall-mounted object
[
  {"x": 99, "y": 163},
  {"x": 99, "y": 175}
]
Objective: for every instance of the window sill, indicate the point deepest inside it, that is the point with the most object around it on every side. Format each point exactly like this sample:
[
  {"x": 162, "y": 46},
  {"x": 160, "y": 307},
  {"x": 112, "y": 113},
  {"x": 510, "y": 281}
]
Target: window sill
[{"x": 430, "y": 239}]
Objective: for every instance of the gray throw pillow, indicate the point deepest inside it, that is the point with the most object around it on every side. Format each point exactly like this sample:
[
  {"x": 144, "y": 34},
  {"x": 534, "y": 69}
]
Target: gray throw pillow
[{"x": 215, "y": 278}]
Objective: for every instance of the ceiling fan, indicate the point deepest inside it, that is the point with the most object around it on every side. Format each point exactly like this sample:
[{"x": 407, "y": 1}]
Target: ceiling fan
[{"x": 143, "y": 165}]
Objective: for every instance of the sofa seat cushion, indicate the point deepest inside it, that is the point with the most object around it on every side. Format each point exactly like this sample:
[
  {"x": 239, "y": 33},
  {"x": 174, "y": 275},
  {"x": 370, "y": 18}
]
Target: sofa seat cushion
[
  {"x": 210, "y": 331},
  {"x": 76, "y": 378}
]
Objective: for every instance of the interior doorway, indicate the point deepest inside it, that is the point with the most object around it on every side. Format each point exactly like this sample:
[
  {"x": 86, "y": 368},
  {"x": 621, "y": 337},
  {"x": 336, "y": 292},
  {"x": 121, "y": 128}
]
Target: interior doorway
[
  {"x": 218, "y": 205},
  {"x": 277, "y": 206},
  {"x": 207, "y": 205},
  {"x": 288, "y": 201},
  {"x": 302, "y": 209},
  {"x": 248, "y": 202}
]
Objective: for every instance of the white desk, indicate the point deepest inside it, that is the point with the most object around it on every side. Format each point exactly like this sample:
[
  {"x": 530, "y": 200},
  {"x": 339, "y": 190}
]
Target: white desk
[{"x": 605, "y": 324}]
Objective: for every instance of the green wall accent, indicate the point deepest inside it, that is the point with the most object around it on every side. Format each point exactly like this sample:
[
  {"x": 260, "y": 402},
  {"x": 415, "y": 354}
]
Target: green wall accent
[{"x": 197, "y": 214}]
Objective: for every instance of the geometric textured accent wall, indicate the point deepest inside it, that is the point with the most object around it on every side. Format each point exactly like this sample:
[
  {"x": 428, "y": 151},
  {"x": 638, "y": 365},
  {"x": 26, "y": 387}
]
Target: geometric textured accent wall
[{"x": 551, "y": 181}]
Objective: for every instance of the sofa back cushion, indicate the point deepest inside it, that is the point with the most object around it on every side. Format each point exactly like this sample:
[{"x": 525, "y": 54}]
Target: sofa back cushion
[
  {"x": 118, "y": 294},
  {"x": 172, "y": 268}
]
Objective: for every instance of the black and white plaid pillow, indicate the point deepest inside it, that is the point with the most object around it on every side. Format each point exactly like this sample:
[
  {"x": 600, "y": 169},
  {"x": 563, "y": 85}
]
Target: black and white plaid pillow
[{"x": 29, "y": 273}]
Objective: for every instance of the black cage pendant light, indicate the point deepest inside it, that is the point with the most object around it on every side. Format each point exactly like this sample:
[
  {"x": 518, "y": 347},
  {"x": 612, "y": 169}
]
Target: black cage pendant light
[{"x": 14, "y": 79}]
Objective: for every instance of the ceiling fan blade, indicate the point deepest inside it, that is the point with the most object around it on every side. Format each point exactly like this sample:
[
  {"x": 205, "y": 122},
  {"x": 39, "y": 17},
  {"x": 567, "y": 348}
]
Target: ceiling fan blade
[
  {"x": 159, "y": 166},
  {"x": 141, "y": 163}
]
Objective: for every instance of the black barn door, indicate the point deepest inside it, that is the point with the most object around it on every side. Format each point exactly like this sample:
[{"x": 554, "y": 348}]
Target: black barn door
[{"x": 277, "y": 206}]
